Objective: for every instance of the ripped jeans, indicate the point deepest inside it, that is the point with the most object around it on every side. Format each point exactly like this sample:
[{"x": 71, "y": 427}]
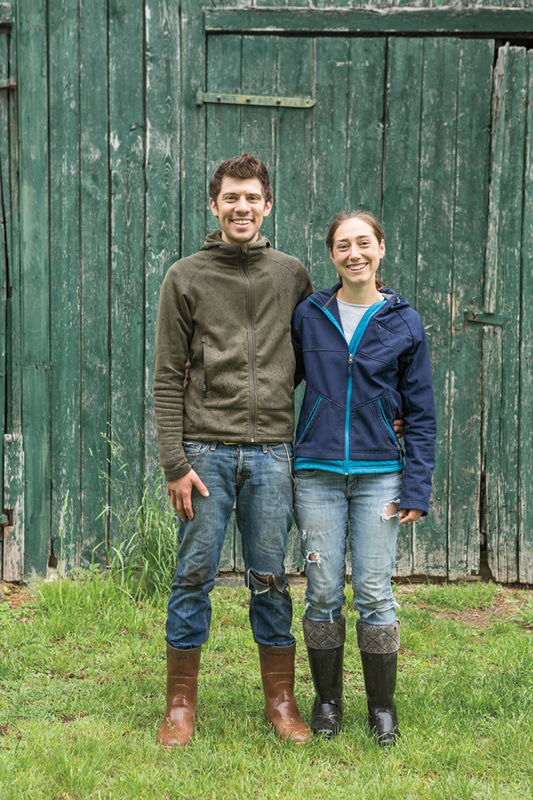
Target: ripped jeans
[
  {"x": 257, "y": 478},
  {"x": 324, "y": 503}
]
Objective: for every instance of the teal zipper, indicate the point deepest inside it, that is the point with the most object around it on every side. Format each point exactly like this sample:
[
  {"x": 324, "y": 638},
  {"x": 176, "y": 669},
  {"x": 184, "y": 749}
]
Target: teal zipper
[{"x": 352, "y": 348}]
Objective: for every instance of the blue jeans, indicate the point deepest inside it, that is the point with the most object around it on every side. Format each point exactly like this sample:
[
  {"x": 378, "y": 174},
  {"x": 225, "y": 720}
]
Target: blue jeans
[
  {"x": 324, "y": 504},
  {"x": 257, "y": 478}
]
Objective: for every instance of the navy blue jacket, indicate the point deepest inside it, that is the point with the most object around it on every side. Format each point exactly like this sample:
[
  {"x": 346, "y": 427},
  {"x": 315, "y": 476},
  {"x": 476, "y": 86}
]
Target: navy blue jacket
[{"x": 354, "y": 393}]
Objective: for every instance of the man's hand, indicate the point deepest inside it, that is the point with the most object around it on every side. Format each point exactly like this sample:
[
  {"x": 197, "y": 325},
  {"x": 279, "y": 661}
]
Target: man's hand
[
  {"x": 398, "y": 427},
  {"x": 180, "y": 493},
  {"x": 409, "y": 515}
]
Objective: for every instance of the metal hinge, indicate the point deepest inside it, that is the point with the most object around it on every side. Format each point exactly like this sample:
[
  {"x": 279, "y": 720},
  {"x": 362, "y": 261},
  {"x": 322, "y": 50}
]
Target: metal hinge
[
  {"x": 11, "y": 83},
  {"x": 253, "y": 100},
  {"x": 482, "y": 318}
]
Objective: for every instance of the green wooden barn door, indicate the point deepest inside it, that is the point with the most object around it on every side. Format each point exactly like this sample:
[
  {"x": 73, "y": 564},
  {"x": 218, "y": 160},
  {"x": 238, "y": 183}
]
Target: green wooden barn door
[
  {"x": 400, "y": 126},
  {"x": 11, "y": 451},
  {"x": 508, "y": 324}
]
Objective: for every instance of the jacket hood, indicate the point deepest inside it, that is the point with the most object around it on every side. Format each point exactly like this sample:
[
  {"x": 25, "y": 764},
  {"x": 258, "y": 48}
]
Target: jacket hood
[
  {"x": 324, "y": 297},
  {"x": 215, "y": 240}
]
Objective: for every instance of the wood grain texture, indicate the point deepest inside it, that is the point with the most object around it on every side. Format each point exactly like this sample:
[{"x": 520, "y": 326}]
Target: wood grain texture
[
  {"x": 435, "y": 261},
  {"x": 328, "y": 165},
  {"x": 35, "y": 277},
  {"x": 65, "y": 288},
  {"x": 525, "y": 528},
  {"x": 94, "y": 278},
  {"x": 5, "y": 235},
  {"x": 163, "y": 167},
  {"x": 470, "y": 221},
  {"x": 501, "y": 346}
]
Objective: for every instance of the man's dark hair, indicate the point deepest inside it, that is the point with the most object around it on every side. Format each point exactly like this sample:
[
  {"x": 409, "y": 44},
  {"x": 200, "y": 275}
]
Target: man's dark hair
[{"x": 241, "y": 167}]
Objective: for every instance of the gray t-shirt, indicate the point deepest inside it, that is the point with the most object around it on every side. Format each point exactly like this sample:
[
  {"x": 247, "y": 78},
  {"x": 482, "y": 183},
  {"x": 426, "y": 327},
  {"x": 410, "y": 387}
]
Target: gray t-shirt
[{"x": 351, "y": 315}]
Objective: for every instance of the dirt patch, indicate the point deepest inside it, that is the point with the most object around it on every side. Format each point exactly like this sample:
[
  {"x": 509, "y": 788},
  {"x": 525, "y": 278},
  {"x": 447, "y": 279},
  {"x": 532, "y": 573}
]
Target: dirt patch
[{"x": 15, "y": 594}]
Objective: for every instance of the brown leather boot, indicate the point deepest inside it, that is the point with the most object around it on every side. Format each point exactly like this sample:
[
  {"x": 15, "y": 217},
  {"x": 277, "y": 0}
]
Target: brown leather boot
[
  {"x": 182, "y": 690},
  {"x": 277, "y": 674}
]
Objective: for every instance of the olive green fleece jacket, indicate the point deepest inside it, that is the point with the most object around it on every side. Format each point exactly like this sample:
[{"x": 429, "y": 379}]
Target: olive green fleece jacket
[{"x": 226, "y": 309}]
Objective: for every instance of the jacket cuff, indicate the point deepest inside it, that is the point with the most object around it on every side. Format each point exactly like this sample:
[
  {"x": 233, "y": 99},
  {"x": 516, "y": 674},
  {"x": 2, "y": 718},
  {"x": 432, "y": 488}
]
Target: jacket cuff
[
  {"x": 176, "y": 473},
  {"x": 408, "y": 501}
]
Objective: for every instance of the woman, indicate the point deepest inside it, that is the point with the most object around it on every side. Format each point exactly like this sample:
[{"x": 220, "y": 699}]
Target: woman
[{"x": 363, "y": 352}]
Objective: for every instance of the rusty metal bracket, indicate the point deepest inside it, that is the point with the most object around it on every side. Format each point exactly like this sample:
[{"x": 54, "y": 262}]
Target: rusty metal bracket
[
  {"x": 482, "y": 318},
  {"x": 11, "y": 83},
  {"x": 253, "y": 100}
]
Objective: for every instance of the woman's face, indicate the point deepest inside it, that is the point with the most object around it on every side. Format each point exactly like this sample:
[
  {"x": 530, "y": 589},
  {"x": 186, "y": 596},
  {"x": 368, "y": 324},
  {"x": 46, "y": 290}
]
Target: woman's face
[{"x": 356, "y": 252}]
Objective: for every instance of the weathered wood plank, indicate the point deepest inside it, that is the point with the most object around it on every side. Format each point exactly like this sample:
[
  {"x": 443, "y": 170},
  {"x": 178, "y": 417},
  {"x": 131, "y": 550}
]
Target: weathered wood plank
[
  {"x": 127, "y": 334},
  {"x": 34, "y": 189},
  {"x": 6, "y": 14},
  {"x": 194, "y": 194},
  {"x": 13, "y": 550},
  {"x": 5, "y": 226},
  {"x": 435, "y": 260},
  {"x": 94, "y": 252},
  {"x": 65, "y": 279},
  {"x": 292, "y": 183},
  {"x": 366, "y": 110},
  {"x": 127, "y": 160},
  {"x": 470, "y": 220},
  {"x": 400, "y": 198},
  {"x": 163, "y": 213},
  {"x": 327, "y": 169},
  {"x": 501, "y": 347},
  {"x": 430, "y": 21},
  {"x": 525, "y": 438},
  {"x": 259, "y": 124}
]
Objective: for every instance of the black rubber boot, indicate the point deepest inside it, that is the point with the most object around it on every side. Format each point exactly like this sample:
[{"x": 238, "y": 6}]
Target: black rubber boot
[
  {"x": 326, "y": 663},
  {"x": 379, "y": 655}
]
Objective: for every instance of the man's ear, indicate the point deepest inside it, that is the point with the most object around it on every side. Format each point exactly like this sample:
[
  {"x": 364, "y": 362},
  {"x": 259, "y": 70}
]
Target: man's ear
[
  {"x": 268, "y": 208},
  {"x": 214, "y": 209}
]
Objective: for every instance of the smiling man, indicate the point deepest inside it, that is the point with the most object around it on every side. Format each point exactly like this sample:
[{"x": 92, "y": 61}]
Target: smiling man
[{"x": 225, "y": 437}]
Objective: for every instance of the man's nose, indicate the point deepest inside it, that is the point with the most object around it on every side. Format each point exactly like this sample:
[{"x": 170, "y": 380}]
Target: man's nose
[{"x": 242, "y": 204}]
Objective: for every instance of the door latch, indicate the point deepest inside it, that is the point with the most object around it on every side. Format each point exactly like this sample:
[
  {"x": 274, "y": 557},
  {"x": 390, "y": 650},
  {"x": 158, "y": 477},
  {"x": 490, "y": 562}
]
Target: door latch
[{"x": 483, "y": 318}]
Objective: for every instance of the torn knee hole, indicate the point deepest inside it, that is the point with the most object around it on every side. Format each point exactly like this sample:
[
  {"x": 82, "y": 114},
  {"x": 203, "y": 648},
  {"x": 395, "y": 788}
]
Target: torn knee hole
[
  {"x": 390, "y": 510},
  {"x": 313, "y": 556}
]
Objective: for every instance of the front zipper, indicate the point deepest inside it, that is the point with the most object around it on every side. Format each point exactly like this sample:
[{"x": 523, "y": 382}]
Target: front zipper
[
  {"x": 204, "y": 361},
  {"x": 386, "y": 421},
  {"x": 310, "y": 419},
  {"x": 352, "y": 349},
  {"x": 249, "y": 309}
]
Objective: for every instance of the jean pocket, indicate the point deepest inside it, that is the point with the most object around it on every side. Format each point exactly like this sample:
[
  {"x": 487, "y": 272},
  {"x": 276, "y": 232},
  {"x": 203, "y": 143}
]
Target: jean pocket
[
  {"x": 281, "y": 452},
  {"x": 195, "y": 449}
]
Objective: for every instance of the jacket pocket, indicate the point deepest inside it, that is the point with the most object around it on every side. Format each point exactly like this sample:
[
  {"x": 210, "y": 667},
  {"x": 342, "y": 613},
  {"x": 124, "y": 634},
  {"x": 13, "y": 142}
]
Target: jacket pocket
[{"x": 312, "y": 419}]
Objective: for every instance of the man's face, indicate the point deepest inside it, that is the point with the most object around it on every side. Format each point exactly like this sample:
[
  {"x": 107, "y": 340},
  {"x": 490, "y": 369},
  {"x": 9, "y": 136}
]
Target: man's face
[{"x": 240, "y": 208}]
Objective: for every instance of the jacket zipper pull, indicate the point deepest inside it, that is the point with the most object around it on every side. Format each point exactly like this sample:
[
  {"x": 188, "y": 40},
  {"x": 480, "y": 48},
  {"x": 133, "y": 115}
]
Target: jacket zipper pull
[{"x": 350, "y": 362}]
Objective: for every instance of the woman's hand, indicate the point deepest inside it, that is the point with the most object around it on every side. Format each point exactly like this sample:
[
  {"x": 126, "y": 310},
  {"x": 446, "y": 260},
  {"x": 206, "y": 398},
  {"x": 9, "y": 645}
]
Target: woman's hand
[{"x": 409, "y": 515}]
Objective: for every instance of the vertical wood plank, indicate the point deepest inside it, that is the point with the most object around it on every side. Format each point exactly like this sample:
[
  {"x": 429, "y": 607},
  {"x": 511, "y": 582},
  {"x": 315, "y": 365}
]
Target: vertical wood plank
[
  {"x": 259, "y": 124},
  {"x": 94, "y": 257},
  {"x": 194, "y": 194},
  {"x": 163, "y": 213},
  {"x": 5, "y": 226},
  {"x": 525, "y": 438},
  {"x": 501, "y": 345},
  {"x": 435, "y": 260},
  {"x": 366, "y": 109},
  {"x": 470, "y": 220},
  {"x": 64, "y": 280},
  {"x": 400, "y": 198},
  {"x": 126, "y": 126},
  {"x": 328, "y": 176},
  {"x": 32, "y": 73},
  {"x": 292, "y": 179}
]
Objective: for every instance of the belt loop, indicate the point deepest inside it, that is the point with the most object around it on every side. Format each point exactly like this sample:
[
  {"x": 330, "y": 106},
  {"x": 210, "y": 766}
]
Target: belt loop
[
  {"x": 214, "y": 445},
  {"x": 265, "y": 448}
]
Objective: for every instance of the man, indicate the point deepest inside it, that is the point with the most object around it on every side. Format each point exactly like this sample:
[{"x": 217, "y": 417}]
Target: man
[{"x": 226, "y": 436}]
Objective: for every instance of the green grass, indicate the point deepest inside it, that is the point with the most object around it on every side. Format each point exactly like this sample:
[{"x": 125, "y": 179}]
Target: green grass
[{"x": 82, "y": 673}]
